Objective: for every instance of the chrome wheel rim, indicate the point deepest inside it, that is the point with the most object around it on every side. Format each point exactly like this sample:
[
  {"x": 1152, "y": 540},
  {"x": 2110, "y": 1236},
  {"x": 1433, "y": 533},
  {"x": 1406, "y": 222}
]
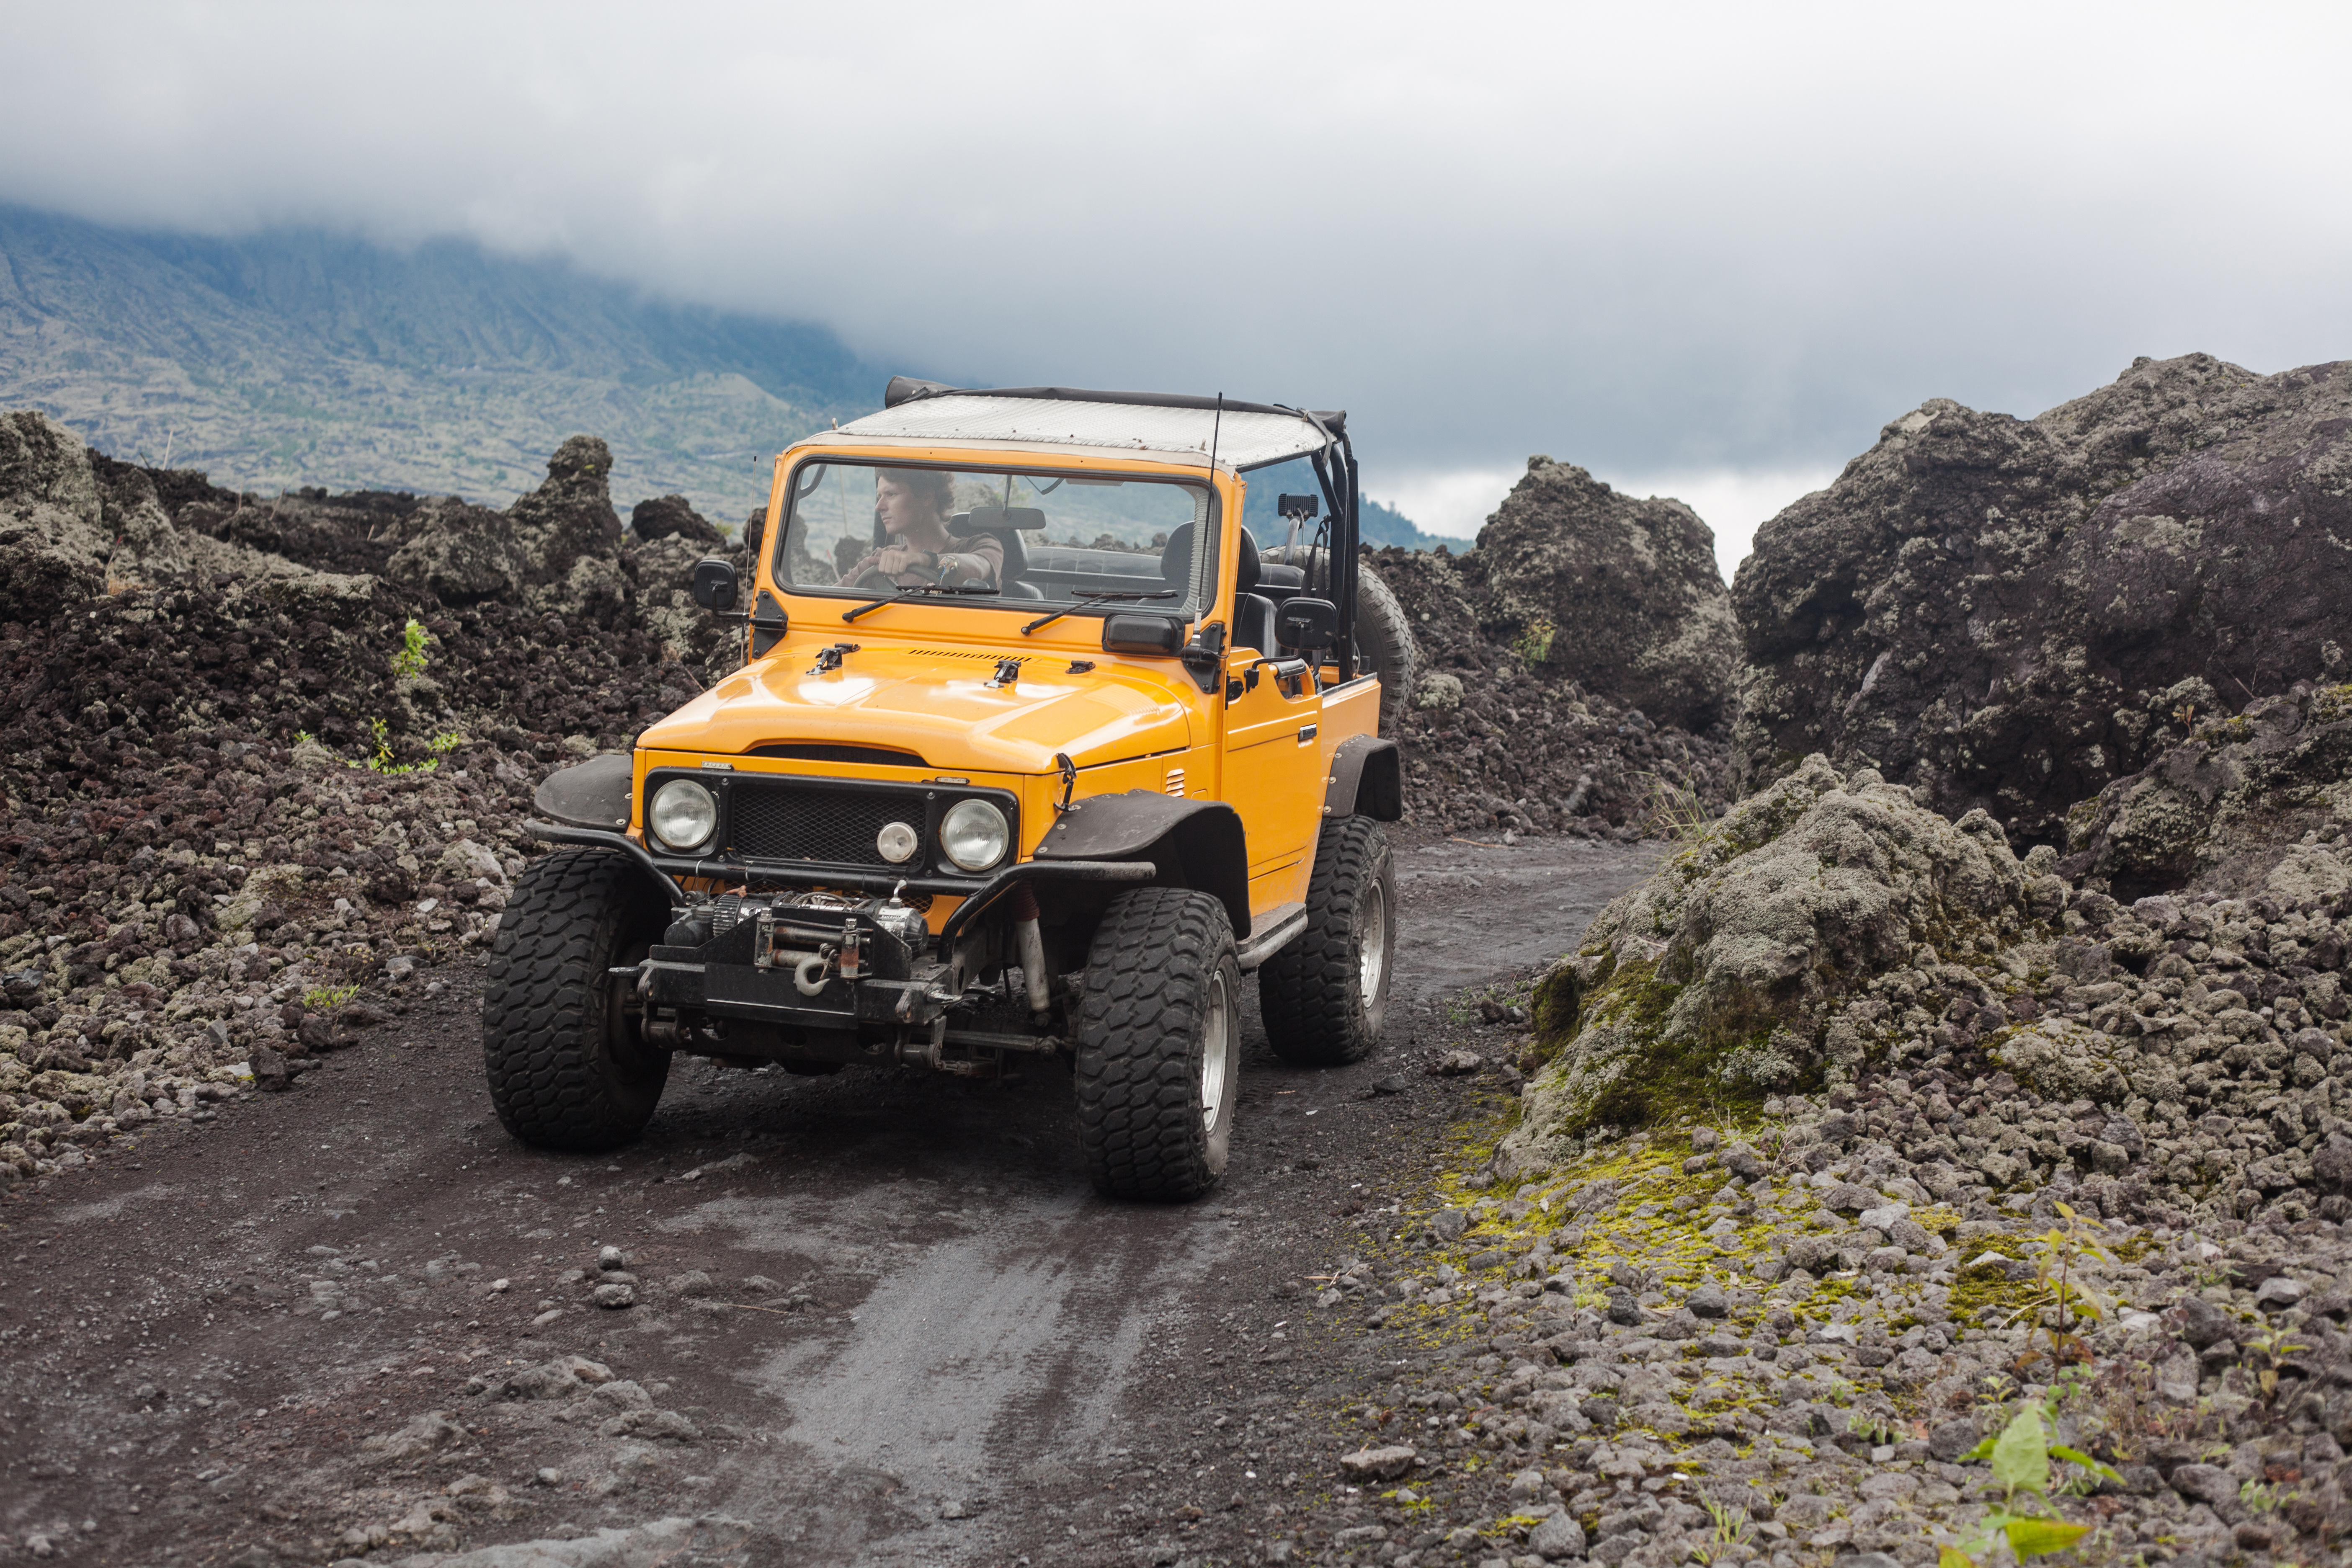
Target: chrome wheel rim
[
  {"x": 1216, "y": 1052},
  {"x": 1371, "y": 966}
]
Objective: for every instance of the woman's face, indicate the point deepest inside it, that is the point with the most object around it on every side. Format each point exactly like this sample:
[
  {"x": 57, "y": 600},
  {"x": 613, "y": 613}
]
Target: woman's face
[{"x": 908, "y": 514}]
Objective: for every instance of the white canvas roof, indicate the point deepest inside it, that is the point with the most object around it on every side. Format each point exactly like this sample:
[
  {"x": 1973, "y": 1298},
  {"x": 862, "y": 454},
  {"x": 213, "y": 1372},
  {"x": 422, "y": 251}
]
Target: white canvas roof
[{"x": 1245, "y": 438}]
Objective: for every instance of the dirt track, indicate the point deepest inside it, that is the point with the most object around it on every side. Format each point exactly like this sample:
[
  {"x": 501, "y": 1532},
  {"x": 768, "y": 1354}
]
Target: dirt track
[{"x": 948, "y": 1349}]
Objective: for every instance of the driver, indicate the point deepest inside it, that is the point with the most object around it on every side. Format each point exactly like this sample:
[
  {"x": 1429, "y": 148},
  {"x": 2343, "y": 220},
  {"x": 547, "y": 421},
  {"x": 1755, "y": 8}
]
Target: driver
[{"x": 910, "y": 505}]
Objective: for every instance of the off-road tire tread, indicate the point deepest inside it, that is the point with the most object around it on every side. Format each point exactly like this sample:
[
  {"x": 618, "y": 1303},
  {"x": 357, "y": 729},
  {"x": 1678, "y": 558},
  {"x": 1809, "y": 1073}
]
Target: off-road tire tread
[
  {"x": 1146, "y": 986},
  {"x": 1385, "y": 634},
  {"x": 1308, "y": 994},
  {"x": 542, "y": 1008}
]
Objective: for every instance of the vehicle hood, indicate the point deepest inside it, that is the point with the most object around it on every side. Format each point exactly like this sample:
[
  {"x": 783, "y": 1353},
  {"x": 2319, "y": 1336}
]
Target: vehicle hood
[{"x": 938, "y": 702}]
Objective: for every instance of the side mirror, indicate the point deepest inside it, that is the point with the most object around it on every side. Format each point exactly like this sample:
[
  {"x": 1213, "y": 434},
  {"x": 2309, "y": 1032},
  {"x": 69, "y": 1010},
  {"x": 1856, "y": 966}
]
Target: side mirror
[
  {"x": 1303, "y": 508},
  {"x": 1304, "y": 623},
  {"x": 715, "y": 588},
  {"x": 1157, "y": 636}
]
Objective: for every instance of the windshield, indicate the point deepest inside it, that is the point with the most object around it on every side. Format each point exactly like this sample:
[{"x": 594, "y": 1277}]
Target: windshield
[{"x": 865, "y": 529}]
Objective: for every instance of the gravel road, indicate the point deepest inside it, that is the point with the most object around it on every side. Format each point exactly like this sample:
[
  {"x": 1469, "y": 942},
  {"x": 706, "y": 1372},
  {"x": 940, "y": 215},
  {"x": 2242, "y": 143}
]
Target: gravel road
[{"x": 875, "y": 1318}]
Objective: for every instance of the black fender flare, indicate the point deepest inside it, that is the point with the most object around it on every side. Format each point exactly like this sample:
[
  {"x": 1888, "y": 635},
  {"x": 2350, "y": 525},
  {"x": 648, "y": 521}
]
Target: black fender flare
[
  {"x": 1196, "y": 844},
  {"x": 594, "y": 794},
  {"x": 1367, "y": 779}
]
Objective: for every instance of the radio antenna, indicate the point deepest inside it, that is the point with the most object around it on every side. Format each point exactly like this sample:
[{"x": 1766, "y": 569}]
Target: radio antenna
[{"x": 1216, "y": 429}]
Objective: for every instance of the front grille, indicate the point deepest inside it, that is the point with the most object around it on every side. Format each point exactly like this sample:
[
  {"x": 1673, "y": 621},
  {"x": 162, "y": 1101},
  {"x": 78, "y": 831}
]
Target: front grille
[{"x": 811, "y": 822}]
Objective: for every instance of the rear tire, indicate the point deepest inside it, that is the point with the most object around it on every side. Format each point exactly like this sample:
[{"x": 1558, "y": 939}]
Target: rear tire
[
  {"x": 1387, "y": 643},
  {"x": 1158, "y": 1049},
  {"x": 567, "y": 1066},
  {"x": 1383, "y": 632},
  {"x": 1324, "y": 997}
]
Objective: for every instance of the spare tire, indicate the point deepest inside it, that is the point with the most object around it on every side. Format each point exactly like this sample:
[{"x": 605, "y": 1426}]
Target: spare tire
[{"x": 1383, "y": 636}]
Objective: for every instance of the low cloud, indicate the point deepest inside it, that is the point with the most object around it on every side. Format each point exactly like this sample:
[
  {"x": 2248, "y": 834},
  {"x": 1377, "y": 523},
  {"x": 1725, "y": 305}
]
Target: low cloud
[{"x": 1689, "y": 240}]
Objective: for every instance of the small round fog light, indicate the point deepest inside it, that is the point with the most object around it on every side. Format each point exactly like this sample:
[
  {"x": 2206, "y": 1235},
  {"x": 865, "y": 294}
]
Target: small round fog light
[{"x": 897, "y": 841}]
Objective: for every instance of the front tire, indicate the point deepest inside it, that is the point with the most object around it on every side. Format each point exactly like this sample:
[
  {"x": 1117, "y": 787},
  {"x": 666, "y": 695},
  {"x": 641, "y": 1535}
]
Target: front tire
[
  {"x": 1325, "y": 996},
  {"x": 567, "y": 1066},
  {"x": 1157, "y": 1046}
]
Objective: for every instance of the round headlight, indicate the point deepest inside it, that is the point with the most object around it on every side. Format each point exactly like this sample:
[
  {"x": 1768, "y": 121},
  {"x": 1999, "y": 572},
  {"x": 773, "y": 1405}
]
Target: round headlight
[
  {"x": 975, "y": 834},
  {"x": 897, "y": 841},
  {"x": 683, "y": 814}
]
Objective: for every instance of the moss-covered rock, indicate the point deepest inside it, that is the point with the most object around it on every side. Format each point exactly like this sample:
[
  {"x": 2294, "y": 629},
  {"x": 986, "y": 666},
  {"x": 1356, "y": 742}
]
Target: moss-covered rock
[{"x": 1746, "y": 963}]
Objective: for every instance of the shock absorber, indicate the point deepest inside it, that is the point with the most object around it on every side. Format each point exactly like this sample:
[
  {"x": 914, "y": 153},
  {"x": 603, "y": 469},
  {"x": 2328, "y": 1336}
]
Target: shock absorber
[{"x": 1029, "y": 942}]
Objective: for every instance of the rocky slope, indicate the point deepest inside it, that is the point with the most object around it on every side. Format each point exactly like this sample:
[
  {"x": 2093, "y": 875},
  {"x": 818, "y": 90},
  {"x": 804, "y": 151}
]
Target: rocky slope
[
  {"x": 2013, "y": 613},
  {"x": 256, "y": 753},
  {"x": 1714, "y": 1344},
  {"x": 1812, "y": 1105}
]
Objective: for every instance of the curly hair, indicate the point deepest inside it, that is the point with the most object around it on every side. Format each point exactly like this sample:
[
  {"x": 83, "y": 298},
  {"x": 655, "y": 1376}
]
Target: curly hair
[{"x": 936, "y": 486}]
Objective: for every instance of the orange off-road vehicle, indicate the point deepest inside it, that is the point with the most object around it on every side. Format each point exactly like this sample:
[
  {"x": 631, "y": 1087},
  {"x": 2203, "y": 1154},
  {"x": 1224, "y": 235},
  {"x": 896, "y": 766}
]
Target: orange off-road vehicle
[{"x": 983, "y": 791}]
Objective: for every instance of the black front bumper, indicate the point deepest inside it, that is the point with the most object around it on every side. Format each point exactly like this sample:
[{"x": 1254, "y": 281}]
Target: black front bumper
[{"x": 758, "y": 971}]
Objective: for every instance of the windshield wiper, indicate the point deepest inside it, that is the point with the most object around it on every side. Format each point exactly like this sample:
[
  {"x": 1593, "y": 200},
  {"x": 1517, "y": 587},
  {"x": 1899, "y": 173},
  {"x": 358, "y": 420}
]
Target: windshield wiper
[
  {"x": 916, "y": 591},
  {"x": 1092, "y": 599}
]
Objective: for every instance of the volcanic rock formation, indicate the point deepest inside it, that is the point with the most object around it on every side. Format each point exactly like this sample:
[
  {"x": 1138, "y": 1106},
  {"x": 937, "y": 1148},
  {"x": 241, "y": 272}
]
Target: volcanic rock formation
[
  {"x": 2012, "y": 613},
  {"x": 2178, "y": 1054},
  {"x": 1541, "y": 650},
  {"x": 2225, "y": 807},
  {"x": 1747, "y": 964},
  {"x": 1622, "y": 595}
]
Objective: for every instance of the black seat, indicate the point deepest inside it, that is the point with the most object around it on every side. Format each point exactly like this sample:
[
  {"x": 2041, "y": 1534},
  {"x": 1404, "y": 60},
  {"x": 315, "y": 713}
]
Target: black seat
[
  {"x": 1253, "y": 612},
  {"x": 1005, "y": 526}
]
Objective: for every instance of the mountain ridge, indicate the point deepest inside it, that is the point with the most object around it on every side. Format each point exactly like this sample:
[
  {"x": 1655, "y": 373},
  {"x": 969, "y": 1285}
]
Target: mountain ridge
[
  {"x": 304, "y": 359},
  {"x": 299, "y": 358}
]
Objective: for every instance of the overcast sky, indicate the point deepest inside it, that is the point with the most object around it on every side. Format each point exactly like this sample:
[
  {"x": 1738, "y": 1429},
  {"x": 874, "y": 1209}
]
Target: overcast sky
[{"x": 1705, "y": 250}]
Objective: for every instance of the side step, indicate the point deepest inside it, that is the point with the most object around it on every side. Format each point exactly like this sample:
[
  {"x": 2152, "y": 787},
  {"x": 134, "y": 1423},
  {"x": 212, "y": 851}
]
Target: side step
[{"x": 1277, "y": 929}]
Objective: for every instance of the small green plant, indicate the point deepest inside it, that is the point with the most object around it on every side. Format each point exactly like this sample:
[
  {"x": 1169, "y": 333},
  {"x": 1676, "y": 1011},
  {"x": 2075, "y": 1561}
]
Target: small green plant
[
  {"x": 1534, "y": 645},
  {"x": 1674, "y": 811},
  {"x": 380, "y": 760},
  {"x": 2020, "y": 1459},
  {"x": 327, "y": 998},
  {"x": 2057, "y": 1300},
  {"x": 2273, "y": 1345},
  {"x": 408, "y": 661},
  {"x": 2256, "y": 1496},
  {"x": 1875, "y": 1429},
  {"x": 1731, "y": 1525}
]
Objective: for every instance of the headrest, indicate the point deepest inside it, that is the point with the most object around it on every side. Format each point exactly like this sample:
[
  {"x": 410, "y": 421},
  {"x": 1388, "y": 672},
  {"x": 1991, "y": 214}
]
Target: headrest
[
  {"x": 1176, "y": 557},
  {"x": 1176, "y": 560}
]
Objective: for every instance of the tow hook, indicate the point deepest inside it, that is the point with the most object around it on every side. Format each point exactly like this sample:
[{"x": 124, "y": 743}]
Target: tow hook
[{"x": 808, "y": 975}]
